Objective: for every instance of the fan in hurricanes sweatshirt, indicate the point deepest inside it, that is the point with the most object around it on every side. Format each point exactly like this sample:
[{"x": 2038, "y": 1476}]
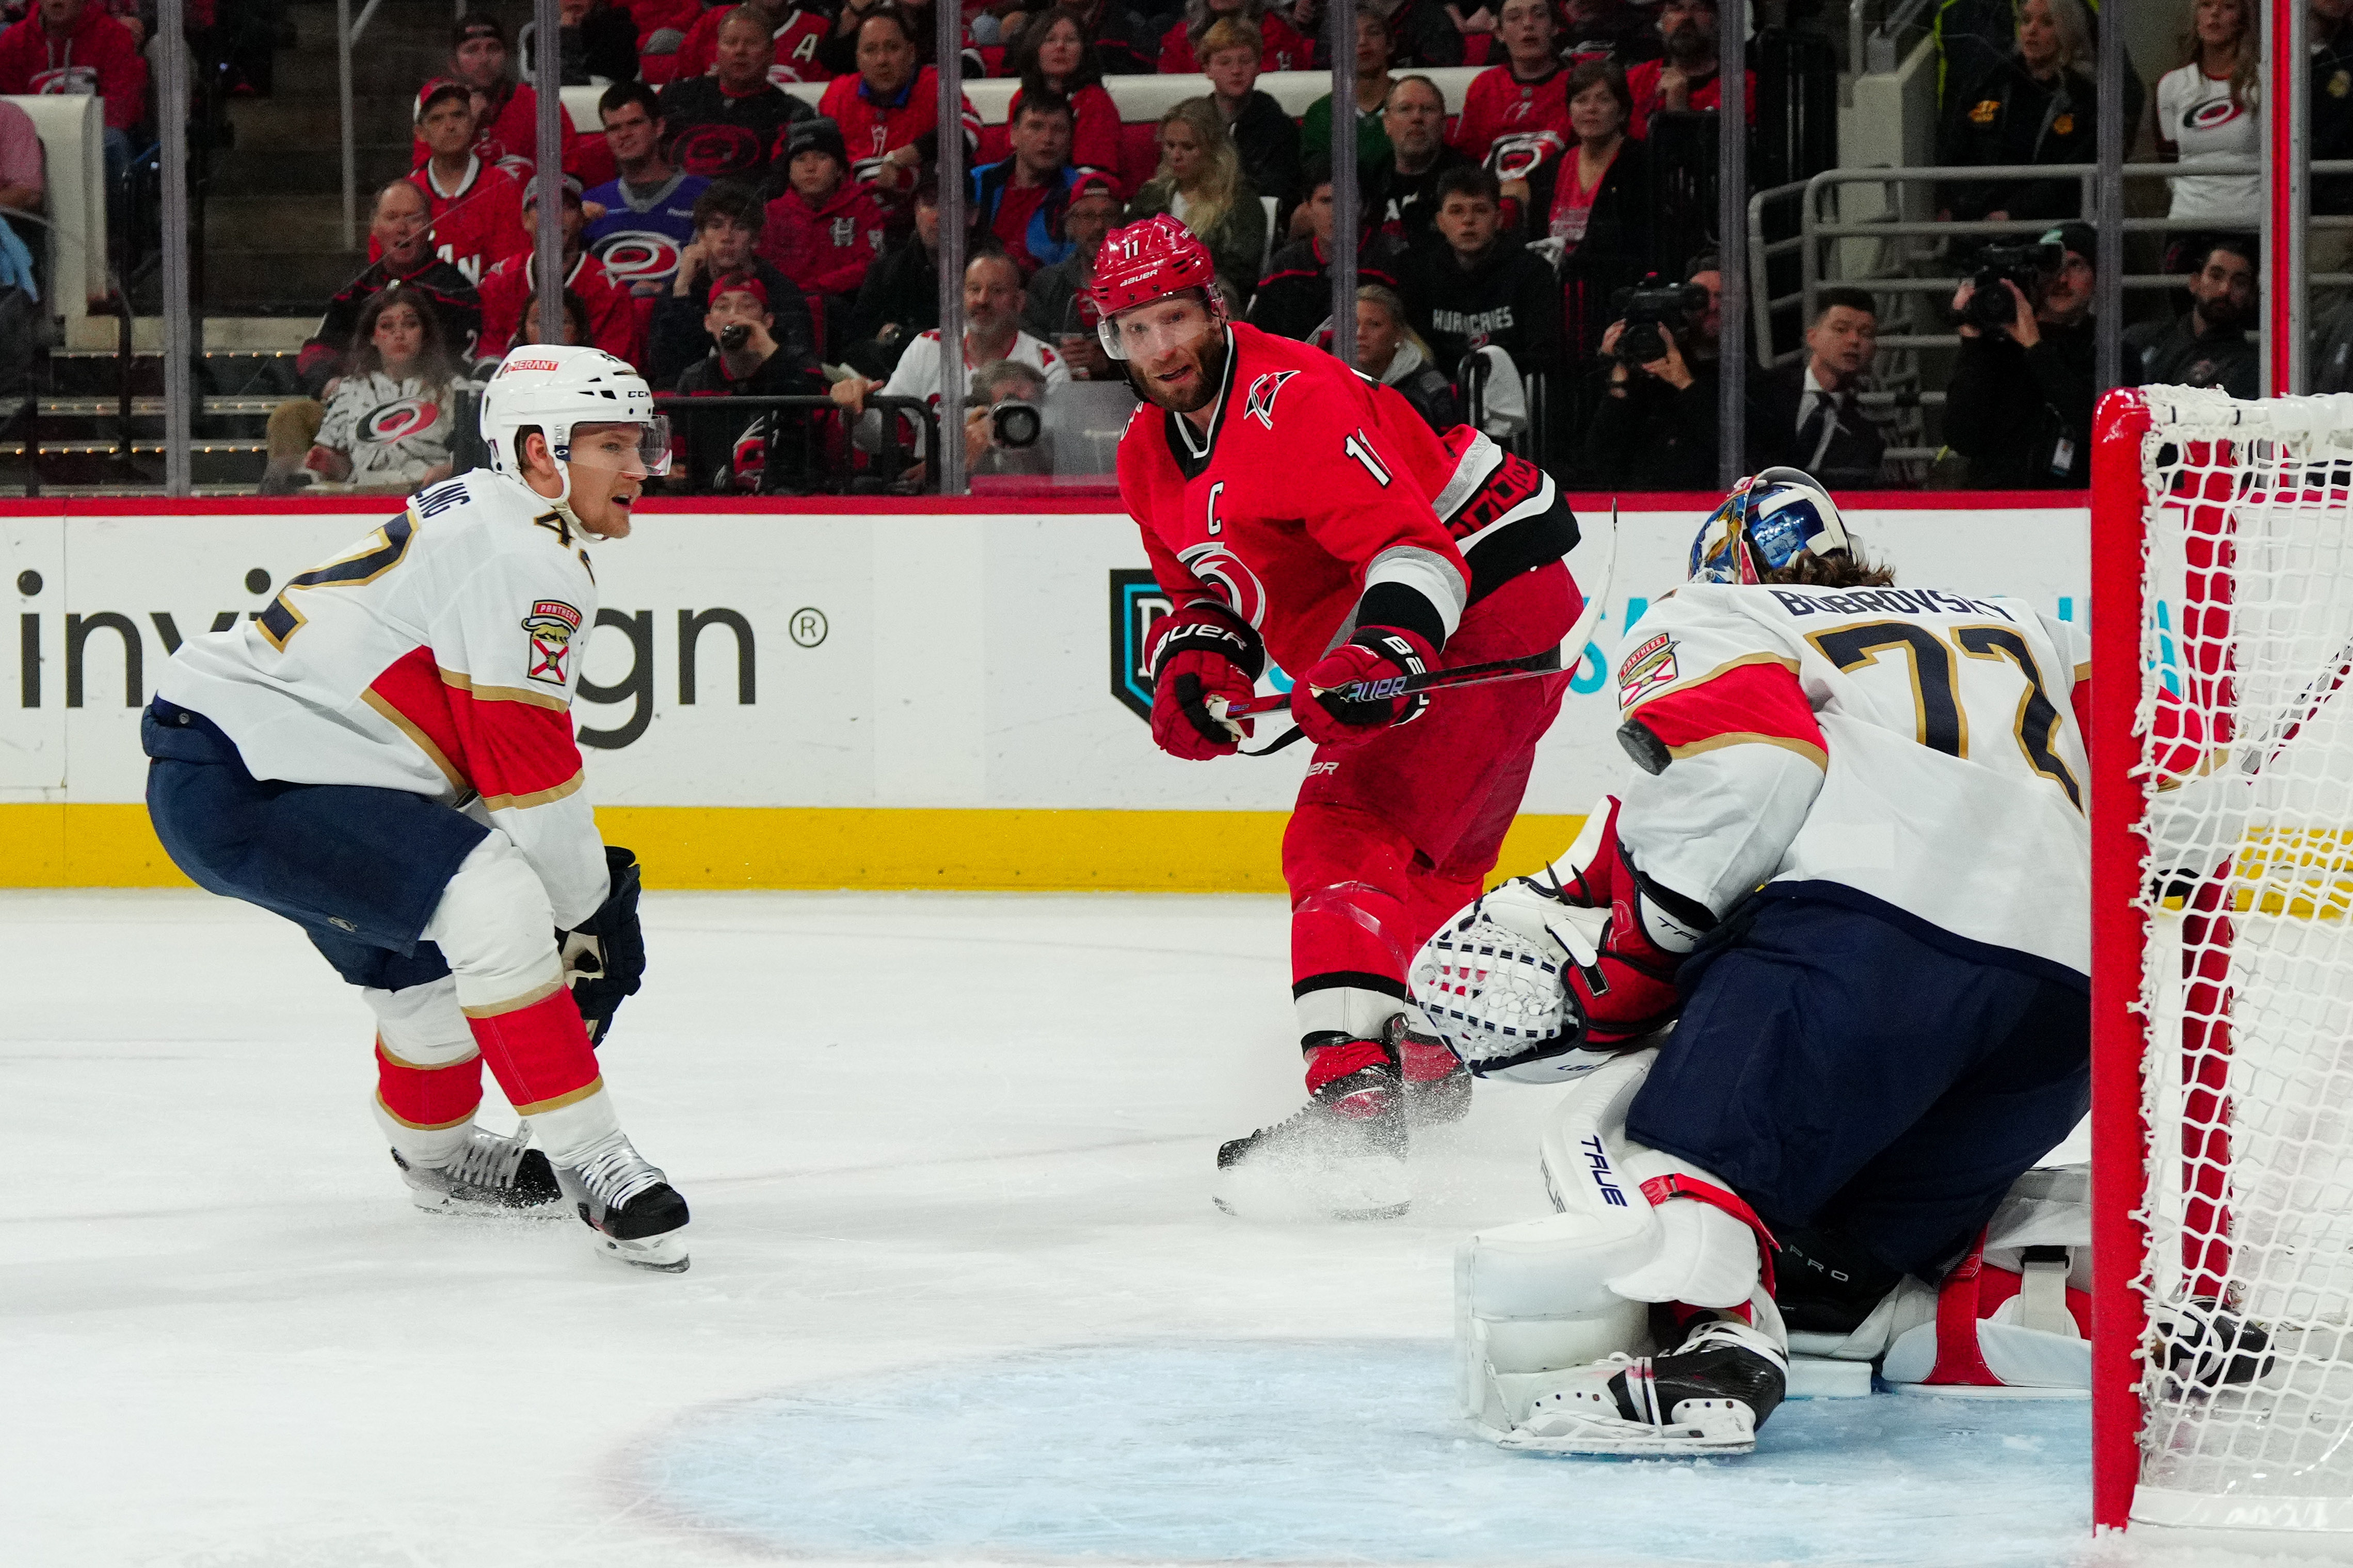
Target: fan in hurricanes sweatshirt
[{"x": 827, "y": 229}]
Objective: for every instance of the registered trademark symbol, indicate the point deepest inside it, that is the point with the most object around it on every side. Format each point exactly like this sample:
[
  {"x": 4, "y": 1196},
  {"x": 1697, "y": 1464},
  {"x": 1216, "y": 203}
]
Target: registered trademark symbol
[{"x": 807, "y": 626}]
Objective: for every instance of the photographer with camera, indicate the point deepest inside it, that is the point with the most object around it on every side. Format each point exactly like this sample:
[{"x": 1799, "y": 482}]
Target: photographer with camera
[
  {"x": 2019, "y": 403},
  {"x": 745, "y": 362},
  {"x": 2206, "y": 345},
  {"x": 1655, "y": 428},
  {"x": 1005, "y": 422}
]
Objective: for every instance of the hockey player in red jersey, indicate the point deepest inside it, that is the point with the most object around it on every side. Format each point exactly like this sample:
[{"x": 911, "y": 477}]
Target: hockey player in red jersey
[
  {"x": 385, "y": 757},
  {"x": 1293, "y": 510}
]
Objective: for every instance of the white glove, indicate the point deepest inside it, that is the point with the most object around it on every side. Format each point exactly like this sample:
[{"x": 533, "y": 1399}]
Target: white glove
[{"x": 1489, "y": 982}]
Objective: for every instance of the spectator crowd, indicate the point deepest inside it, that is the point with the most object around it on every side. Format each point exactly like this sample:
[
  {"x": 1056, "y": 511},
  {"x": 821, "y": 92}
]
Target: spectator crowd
[{"x": 1526, "y": 255}]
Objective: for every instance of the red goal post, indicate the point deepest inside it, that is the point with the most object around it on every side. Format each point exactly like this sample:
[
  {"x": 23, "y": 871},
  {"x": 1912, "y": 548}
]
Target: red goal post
[{"x": 2222, "y": 968}]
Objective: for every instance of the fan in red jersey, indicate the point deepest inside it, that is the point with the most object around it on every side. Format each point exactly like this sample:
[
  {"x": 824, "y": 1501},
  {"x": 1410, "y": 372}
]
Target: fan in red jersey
[{"x": 1293, "y": 510}]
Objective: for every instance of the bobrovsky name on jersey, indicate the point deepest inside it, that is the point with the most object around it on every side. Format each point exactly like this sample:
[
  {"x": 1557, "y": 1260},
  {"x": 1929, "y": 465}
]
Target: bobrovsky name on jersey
[{"x": 831, "y": 661}]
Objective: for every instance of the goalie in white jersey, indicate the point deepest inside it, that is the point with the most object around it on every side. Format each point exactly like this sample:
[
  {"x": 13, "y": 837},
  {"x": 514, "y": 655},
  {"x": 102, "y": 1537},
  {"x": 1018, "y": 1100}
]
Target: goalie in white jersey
[
  {"x": 385, "y": 757},
  {"x": 1853, "y": 871}
]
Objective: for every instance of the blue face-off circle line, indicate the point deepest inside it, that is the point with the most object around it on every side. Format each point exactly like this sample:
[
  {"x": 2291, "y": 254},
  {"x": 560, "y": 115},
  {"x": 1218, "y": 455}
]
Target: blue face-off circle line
[{"x": 1275, "y": 1452}]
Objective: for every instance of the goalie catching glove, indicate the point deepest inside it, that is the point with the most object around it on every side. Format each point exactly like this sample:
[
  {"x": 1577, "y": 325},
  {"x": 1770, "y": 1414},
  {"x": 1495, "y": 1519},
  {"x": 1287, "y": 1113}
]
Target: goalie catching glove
[
  {"x": 1203, "y": 650},
  {"x": 1550, "y": 976},
  {"x": 605, "y": 956}
]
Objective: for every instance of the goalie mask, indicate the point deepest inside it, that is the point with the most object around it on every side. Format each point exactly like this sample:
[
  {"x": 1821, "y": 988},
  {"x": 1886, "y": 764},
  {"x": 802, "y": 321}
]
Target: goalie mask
[{"x": 1768, "y": 521}]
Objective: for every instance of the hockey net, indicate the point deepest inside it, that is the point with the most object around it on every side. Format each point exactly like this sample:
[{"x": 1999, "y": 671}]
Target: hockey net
[{"x": 2222, "y": 823}]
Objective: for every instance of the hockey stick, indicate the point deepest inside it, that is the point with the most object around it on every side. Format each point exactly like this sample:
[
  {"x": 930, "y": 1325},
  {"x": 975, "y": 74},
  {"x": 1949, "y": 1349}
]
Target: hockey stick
[
  {"x": 1486, "y": 674},
  {"x": 2317, "y": 692}
]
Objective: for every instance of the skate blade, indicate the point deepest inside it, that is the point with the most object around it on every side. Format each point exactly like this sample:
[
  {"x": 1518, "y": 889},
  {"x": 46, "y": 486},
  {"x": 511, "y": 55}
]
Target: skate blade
[
  {"x": 1372, "y": 1187},
  {"x": 461, "y": 1208},
  {"x": 663, "y": 1254},
  {"x": 1608, "y": 1441}
]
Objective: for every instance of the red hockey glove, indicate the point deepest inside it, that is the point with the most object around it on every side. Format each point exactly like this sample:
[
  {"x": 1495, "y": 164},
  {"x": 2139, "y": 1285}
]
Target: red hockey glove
[
  {"x": 1204, "y": 650},
  {"x": 1331, "y": 705}
]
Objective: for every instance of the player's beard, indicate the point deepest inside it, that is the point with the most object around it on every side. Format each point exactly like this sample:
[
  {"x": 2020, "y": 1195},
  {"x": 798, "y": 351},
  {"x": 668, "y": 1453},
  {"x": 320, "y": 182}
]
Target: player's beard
[{"x": 1210, "y": 359}]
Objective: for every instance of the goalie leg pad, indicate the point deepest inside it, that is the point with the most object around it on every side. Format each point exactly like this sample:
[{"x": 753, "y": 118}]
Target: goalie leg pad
[{"x": 1544, "y": 1297}]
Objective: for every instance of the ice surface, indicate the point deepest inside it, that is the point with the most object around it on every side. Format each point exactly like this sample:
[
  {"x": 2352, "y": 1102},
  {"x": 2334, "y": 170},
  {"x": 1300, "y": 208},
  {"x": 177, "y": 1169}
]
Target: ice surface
[{"x": 958, "y": 1290}]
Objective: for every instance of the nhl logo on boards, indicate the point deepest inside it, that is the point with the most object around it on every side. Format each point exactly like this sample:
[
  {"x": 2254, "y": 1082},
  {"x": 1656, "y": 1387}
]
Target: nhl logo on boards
[
  {"x": 1647, "y": 668},
  {"x": 550, "y": 627}
]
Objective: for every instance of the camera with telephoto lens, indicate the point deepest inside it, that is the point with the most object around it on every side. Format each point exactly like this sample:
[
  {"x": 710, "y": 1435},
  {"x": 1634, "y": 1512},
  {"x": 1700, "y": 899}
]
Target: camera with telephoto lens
[
  {"x": 1014, "y": 423},
  {"x": 1653, "y": 313},
  {"x": 2031, "y": 264},
  {"x": 732, "y": 338}
]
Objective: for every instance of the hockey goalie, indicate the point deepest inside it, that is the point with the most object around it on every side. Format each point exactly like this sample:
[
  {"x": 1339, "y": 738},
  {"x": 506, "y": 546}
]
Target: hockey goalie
[{"x": 1852, "y": 872}]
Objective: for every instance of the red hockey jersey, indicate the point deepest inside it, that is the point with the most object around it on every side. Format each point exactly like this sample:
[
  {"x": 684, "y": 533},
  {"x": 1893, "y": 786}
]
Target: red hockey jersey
[
  {"x": 872, "y": 127},
  {"x": 796, "y": 53},
  {"x": 1318, "y": 500},
  {"x": 1500, "y": 105},
  {"x": 477, "y": 225},
  {"x": 506, "y": 304}
]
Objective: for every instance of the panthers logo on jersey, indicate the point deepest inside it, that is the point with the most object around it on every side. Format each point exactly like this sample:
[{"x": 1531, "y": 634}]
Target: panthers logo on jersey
[{"x": 551, "y": 627}]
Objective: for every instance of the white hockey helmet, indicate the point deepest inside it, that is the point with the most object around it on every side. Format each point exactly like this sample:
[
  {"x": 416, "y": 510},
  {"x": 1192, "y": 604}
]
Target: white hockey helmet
[
  {"x": 1767, "y": 521},
  {"x": 556, "y": 387}
]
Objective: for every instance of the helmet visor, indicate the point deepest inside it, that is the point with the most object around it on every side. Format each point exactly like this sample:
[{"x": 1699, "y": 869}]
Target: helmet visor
[
  {"x": 590, "y": 445},
  {"x": 1152, "y": 329}
]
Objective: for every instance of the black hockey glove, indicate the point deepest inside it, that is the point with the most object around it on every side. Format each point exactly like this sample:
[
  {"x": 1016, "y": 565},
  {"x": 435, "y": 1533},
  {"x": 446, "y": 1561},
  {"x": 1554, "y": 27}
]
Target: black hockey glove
[{"x": 605, "y": 957}]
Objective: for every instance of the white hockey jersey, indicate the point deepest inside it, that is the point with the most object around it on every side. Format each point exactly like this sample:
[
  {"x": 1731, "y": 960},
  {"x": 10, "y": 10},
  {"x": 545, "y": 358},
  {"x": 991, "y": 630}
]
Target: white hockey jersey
[
  {"x": 438, "y": 655},
  {"x": 1917, "y": 747}
]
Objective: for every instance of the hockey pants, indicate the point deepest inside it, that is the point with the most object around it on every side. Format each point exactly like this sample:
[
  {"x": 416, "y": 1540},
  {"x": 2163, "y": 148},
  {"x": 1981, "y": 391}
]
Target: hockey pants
[
  {"x": 1844, "y": 1068},
  {"x": 1391, "y": 837}
]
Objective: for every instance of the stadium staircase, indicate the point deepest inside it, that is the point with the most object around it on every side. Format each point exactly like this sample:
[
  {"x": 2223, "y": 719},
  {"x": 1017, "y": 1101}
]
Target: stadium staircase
[{"x": 272, "y": 249}]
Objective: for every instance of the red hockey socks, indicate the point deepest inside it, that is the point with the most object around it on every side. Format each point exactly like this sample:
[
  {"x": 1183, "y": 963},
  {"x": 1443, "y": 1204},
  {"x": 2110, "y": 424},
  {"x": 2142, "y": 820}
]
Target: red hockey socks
[
  {"x": 541, "y": 1055},
  {"x": 428, "y": 1099}
]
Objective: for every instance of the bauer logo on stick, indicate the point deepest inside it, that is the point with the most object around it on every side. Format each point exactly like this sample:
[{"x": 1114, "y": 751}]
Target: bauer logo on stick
[{"x": 551, "y": 627}]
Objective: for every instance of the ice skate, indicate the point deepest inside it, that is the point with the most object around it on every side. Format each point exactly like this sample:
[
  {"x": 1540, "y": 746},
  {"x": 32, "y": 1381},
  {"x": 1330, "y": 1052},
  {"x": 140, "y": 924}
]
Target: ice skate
[
  {"x": 1437, "y": 1084},
  {"x": 489, "y": 1173},
  {"x": 636, "y": 1215},
  {"x": 1707, "y": 1395},
  {"x": 1341, "y": 1156}
]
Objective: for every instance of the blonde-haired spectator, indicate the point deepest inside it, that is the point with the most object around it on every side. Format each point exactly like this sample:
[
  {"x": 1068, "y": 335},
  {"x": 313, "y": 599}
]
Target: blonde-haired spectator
[
  {"x": 1233, "y": 54},
  {"x": 1391, "y": 351},
  {"x": 2207, "y": 108},
  {"x": 1201, "y": 186}
]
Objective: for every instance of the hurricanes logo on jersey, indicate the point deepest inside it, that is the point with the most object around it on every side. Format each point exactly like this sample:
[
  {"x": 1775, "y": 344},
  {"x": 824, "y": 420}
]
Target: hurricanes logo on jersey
[
  {"x": 1260, "y": 404},
  {"x": 550, "y": 626},
  {"x": 2212, "y": 112},
  {"x": 1219, "y": 568},
  {"x": 397, "y": 420},
  {"x": 1519, "y": 155},
  {"x": 637, "y": 255}
]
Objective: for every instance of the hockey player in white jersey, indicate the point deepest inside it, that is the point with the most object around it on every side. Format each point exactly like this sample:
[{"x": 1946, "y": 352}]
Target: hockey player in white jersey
[
  {"x": 385, "y": 757},
  {"x": 1853, "y": 871}
]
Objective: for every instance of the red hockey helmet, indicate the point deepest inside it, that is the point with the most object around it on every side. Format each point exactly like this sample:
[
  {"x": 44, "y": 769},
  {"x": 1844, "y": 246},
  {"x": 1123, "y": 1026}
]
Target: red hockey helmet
[{"x": 1146, "y": 261}]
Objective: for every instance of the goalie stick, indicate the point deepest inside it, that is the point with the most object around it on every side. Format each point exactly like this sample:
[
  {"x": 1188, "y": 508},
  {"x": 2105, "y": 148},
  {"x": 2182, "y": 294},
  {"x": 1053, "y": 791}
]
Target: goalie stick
[{"x": 1545, "y": 663}]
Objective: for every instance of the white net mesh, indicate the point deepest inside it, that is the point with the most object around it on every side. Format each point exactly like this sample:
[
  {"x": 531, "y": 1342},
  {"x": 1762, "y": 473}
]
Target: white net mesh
[{"x": 2247, "y": 746}]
